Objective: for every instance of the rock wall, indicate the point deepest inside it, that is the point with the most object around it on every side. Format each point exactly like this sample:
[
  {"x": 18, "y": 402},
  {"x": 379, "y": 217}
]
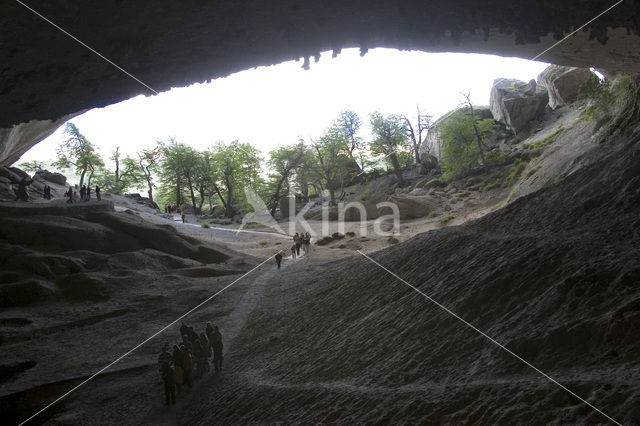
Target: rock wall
[
  {"x": 515, "y": 103},
  {"x": 562, "y": 83}
]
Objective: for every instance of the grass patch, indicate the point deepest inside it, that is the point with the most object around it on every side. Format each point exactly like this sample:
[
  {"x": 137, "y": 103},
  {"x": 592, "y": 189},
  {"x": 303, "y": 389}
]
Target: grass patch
[
  {"x": 205, "y": 224},
  {"x": 432, "y": 214},
  {"x": 516, "y": 170},
  {"x": 599, "y": 97},
  {"x": 263, "y": 243},
  {"x": 548, "y": 140},
  {"x": 488, "y": 187},
  {"x": 252, "y": 225},
  {"x": 447, "y": 218}
]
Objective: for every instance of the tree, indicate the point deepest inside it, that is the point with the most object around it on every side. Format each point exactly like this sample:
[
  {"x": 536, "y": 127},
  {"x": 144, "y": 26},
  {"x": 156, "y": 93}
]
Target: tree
[
  {"x": 476, "y": 130},
  {"x": 76, "y": 151},
  {"x": 284, "y": 161},
  {"x": 461, "y": 149},
  {"x": 349, "y": 123},
  {"x": 331, "y": 153},
  {"x": 148, "y": 160},
  {"x": 423, "y": 123},
  {"x": 390, "y": 137},
  {"x": 32, "y": 166}
]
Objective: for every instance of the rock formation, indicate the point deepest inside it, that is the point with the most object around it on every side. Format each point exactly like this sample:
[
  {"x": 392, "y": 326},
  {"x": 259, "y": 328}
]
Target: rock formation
[
  {"x": 562, "y": 83},
  {"x": 516, "y": 103}
]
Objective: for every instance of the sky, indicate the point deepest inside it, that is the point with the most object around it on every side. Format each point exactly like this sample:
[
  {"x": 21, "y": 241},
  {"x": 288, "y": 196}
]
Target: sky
[{"x": 277, "y": 105}]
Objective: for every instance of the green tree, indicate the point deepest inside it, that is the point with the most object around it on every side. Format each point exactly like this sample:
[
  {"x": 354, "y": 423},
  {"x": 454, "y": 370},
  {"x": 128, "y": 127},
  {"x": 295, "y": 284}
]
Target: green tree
[
  {"x": 79, "y": 153},
  {"x": 390, "y": 138},
  {"x": 32, "y": 166},
  {"x": 418, "y": 133},
  {"x": 461, "y": 149},
  {"x": 331, "y": 152},
  {"x": 284, "y": 162}
]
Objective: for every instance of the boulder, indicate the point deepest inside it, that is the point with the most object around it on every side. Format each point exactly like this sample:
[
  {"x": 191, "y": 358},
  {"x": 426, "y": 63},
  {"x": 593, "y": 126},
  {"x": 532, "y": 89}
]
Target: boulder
[
  {"x": 6, "y": 172},
  {"x": 54, "y": 177},
  {"x": 515, "y": 103},
  {"x": 562, "y": 83},
  {"x": 412, "y": 207}
]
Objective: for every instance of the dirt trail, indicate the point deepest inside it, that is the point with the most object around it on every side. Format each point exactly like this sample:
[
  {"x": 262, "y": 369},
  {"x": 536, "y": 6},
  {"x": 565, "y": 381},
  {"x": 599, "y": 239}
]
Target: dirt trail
[{"x": 230, "y": 326}]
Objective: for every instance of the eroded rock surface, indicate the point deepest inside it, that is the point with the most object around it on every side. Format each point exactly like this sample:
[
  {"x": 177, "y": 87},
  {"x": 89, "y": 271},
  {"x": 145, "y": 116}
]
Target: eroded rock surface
[{"x": 515, "y": 103}]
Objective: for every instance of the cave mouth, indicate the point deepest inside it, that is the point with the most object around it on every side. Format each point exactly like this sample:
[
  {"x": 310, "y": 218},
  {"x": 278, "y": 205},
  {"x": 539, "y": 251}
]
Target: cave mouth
[{"x": 275, "y": 105}]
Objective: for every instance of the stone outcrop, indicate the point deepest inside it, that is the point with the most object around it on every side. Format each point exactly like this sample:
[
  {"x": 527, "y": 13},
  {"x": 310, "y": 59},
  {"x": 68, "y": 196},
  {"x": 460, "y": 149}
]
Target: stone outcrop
[
  {"x": 53, "y": 177},
  {"x": 16, "y": 140},
  {"x": 515, "y": 103},
  {"x": 562, "y": 83}
]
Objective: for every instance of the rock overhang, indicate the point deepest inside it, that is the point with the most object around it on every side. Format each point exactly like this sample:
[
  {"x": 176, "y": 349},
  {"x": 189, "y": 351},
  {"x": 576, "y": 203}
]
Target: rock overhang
[{"x": 47, "y": 75}]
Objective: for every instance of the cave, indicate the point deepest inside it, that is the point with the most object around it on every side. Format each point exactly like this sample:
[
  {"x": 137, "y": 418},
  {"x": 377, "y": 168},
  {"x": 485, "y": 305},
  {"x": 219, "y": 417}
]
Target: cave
[{"x": 567, "y": 251}]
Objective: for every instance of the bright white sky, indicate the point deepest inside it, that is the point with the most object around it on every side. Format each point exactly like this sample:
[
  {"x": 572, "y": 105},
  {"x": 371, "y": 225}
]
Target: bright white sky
[{"x": 272, "y": 106}]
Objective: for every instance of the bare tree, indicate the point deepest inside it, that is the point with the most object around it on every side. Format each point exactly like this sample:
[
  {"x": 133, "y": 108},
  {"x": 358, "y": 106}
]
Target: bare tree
[{"x": 416, "y": 135}]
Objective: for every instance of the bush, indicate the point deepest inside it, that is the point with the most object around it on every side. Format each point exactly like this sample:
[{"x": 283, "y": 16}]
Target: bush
[
  {"x": 447, "y": 218},
  {"x": 599, "y": 96},
  {"x": 263, "y": 243},
  {"x": 205, "y": 224},
  {"x": 460, "y": 146},
  {"x": 548, "y": 140}
]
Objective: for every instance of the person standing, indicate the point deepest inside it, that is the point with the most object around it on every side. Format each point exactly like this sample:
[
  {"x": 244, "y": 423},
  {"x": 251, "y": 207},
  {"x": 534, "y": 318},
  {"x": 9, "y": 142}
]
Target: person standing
[
  {"x": 88, "y": 193},
  {"x": 22, "y": 193},
  {"x": 164, "y": 366},
  {"x": 69, "y": 194},
  {"x": 187, "y": 364},
  {"x": 178, "y": 360},
  {"x": 293, "y": 251},
  {"x": 83, "y": 192},
  {"x": 182, "y": 216},
  {"x": 217, "y": 349},
  {"x": 98, "y": 193},
  {"x": 278, "y": 259},
  {"x": 296, "y": 240}
]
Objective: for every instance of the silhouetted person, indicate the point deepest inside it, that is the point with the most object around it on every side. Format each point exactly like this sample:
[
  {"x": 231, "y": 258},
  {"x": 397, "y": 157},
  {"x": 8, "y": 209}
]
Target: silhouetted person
[
  {"x": 217, "y": 349},
  {"x": 47, "y": 192},
  {"x": 293, "y": 251},
  {"x": 83, "y": 192},
  {"x": 22, "y": 193},
  {"x": 184, "y": 329},
  {"x": 69, "y": 194},
  {"x": 182, "y": 217},
  {"x": 278, "y": 259},
  {"x": 187, "y": 365},
  {"x": 178, "y": 360},
  {"x": 296, "y": 240},
  {"x": 168, "y": 378},
  {"x": 88, "y": 193},
  {"x": 98, "y": 193}
]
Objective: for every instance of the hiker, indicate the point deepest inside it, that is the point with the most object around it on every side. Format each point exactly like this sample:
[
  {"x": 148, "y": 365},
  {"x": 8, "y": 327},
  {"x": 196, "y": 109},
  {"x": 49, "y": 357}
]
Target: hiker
[
  {"x": 278, "y": 259},
  {"x": 164, "y": 366},
  {"x": 208, "y": 351},
  {"x": 187, "y": 363},
  {"x": 88, "y": 194},
  {"x": 217, "y": 349},
  {"x": 307, "y": 243},
  {"x": 182, "y": 216},
  {"x": 296, "y": 240},
  {"x": 22, "y": 193},
  {"x": 168, "y": 377},
  {"x": 178, "y": 360},
  {"x": 198, "y": 355},
  {"x": 98, "y": 193},
  {"x": 293, "y": 251},
  {"x": 83, "y": 193},
  {"x": 46, "y": 194},
  {"x": 184, "y": 329},
  {"x": 69, "y": 194}
]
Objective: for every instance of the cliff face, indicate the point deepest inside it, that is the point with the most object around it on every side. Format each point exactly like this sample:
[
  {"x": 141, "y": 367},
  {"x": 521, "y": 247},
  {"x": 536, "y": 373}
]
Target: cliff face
[{"x": 47, "y": 75}]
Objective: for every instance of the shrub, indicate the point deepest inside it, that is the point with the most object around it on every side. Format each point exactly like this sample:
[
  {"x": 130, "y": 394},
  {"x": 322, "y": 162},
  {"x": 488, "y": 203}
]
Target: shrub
[
  {"x": 548, "y": 140},
  {"x": 490, "y": 186},
  {"x": 205, "y": 224},
  {"x": 263, "y": 243},
  {"x": 432, "y": 213},
  {"x": 447, "y": 218},
  {"x": 600, "y": 96}
]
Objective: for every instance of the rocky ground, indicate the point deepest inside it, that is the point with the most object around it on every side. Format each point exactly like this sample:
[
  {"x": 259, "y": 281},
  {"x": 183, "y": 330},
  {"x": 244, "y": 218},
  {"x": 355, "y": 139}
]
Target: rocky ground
[{"x": 547, "y": 265}]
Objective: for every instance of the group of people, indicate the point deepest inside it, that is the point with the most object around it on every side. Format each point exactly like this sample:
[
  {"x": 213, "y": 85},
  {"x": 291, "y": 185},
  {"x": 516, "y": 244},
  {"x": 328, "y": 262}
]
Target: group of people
[
  {"x": 300, "y": 240},
  {"x": 46, "y": 193},
  {"x": 85, "y": 193},
  {"x": 171, "y": 209},
  {"x": 189, "y": 359}
]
